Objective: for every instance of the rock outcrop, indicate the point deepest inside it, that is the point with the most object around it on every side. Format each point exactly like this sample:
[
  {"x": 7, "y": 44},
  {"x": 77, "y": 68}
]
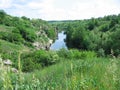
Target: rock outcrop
[{"x": 5, "y": 65}]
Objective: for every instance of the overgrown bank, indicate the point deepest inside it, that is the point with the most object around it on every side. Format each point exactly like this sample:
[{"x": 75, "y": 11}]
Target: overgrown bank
[
  {"x": 22, "y": 34},
  {"x": 25, "y": 31},
  {"x": 97, "y": 34}
]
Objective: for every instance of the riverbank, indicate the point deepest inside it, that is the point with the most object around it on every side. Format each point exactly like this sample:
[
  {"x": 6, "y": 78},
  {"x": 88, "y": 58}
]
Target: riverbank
[{"x": 59, "y": 42}]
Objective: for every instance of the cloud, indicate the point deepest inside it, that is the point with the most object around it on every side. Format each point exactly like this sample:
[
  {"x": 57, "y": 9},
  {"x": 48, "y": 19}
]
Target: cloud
[
  {"x": 79, "y": 9},
  {"x": 5, "y": 3},
  {"x": 93, "y": 9},
  {"x": 60, "y": 9}
]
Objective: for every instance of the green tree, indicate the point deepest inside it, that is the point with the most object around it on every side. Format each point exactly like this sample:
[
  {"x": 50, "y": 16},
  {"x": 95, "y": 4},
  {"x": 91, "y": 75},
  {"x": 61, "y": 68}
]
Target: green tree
[
  {"x": 115, "y": 43},
  {"x": 2, "y": 16}
]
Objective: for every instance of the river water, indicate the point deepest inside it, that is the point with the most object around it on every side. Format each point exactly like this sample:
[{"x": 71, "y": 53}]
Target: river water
[{"x": 59, "y": 43}]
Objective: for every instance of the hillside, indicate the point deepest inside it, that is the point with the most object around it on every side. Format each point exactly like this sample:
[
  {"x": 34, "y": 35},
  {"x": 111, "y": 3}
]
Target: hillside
[
  {"x": 24, "y": 32},
  {"x": 91, "y": 62}
]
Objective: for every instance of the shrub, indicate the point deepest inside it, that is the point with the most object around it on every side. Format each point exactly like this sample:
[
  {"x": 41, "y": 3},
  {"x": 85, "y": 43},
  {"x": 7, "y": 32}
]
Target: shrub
[
  {"x": 82, "y": 54},
  {"x": 38, "y": 59},
  {"x": 101, "y": 52},
  {"x": 29, "y": 65},
  {"x": 76, "y": 54},
  {"x": 63, "y": 53},
  {"x": 51, "y": 34},
  {"x": 28, "y": 34},
  {"x": 53, "y": 57},
  {"x": 11, "y": 37}
]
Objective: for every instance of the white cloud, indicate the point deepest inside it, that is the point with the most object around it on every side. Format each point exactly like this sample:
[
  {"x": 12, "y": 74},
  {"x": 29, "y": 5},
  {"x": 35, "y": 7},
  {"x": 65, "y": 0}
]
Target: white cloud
[
  {"x": 61, "y": 9},
  {"x": 5, "y": 3},
  {"x": 81, "y": 9}
]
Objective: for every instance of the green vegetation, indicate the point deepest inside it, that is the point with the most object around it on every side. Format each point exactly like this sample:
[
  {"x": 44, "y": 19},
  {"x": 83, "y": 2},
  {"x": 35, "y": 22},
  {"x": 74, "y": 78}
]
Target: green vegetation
[
  {"x": 91, "y": 62},
  {"x": 25, "y": 31},
  {"x": 80, "y": 74},
  {"x": 20, "y": 34},
  {"x": 81, "y": 71},
  {"x": 98, "y": 34}
]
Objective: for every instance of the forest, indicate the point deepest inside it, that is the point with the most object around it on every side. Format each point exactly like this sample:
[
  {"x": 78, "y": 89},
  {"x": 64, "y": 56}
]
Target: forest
[
  {"x": 91, "y": 62},
  {"x": 96, "y": 34}
]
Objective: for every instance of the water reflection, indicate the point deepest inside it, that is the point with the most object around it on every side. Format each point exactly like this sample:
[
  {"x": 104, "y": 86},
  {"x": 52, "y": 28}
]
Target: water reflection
[{"x": 59, "y": 43}]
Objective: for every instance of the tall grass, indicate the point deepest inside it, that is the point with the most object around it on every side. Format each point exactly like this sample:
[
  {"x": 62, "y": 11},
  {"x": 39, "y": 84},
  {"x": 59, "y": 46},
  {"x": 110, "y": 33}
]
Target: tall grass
[
  {"x": 5, "y": 79},
  {"x": 88, "y": 74},
  {"x": 73, "y": 74}
]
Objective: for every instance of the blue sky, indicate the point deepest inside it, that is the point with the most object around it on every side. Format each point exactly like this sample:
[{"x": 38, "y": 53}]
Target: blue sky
[{"x": 60, "y": 9}]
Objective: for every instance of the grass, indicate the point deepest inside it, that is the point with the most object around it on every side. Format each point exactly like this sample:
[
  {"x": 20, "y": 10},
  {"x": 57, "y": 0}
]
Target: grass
[
  {"x": 75, "y": 74},
  {"x": 7, "y": 48}
]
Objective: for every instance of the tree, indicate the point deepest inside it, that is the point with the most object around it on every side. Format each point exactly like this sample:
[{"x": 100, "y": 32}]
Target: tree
[
  {"x": 28, "y": 34},
  {"x": 76, "y": 38},
  {"x": 51, "y": 33},
  {"x": 2, "y": 16},
  {"x": 115, "y": 43},
  {"x": 92, "y": 23}
]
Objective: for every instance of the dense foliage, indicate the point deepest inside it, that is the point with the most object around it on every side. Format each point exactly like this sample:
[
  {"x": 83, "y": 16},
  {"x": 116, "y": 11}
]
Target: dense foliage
[
  {"x": 41, "y": 58},
  {"x": 22, "y": 30},
  {"x": 98, "y": 34}
]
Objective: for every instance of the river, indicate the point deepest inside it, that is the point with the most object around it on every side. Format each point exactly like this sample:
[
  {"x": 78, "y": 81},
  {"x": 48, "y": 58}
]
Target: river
[{"x": 59, "y": 43}]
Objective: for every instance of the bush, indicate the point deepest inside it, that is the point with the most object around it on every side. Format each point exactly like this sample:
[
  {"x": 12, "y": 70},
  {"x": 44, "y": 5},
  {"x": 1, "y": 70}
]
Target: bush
[
  {"x": 76, "y": 54},
  {"x": 38, "y": 59},
  {"x": 11, "y": 37},
  {"x": 82, "y": 54},
  {"x": 53, "y": 57},
  {"x": 28, "y": 35},
  {"x": 51, "y": 34},
  {"x": 63, "y": 53},
  {"x": 29, "y": 65},
  {"x": 101, "y": 52}
]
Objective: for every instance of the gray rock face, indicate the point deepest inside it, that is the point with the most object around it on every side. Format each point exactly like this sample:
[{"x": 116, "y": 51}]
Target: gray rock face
[{"x": 45, "y": 46}]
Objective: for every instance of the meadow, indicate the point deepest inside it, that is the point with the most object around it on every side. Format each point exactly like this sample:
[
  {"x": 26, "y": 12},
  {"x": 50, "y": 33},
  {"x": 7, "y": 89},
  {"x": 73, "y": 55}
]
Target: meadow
[{"x": 83, "y": 71}]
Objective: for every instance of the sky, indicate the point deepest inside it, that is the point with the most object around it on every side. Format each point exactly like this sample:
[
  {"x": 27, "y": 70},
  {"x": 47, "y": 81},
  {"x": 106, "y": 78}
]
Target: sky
[{"x": 60, "y": 9}]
